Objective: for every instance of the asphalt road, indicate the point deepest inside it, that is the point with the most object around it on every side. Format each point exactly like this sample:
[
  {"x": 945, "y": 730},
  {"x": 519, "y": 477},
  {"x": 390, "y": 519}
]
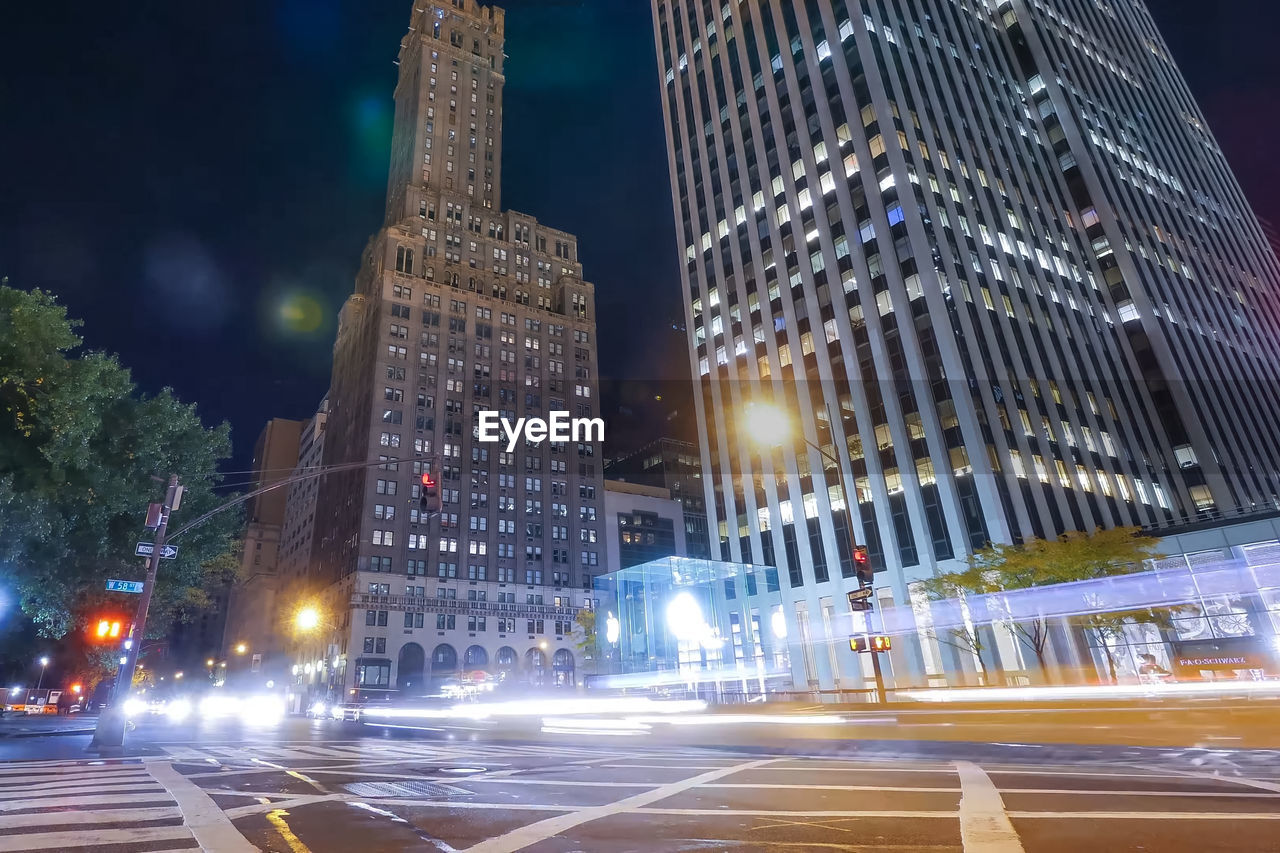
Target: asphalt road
[{"x": 323, "y": 786}]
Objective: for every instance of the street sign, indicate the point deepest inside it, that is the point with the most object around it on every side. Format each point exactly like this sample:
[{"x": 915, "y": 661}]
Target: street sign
[
  {"x": 144, "y": 549},
  {"x": 860, "y": 594},
  {"x": 859, "y": 606},
  {"x": 114, "y": 585}
]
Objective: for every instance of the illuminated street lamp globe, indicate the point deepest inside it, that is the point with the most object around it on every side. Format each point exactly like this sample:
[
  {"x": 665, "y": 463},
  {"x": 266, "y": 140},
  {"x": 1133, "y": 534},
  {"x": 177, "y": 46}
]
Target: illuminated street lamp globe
[
  {"x": 308, "y": 619},
  {"x": 241, "y": 648},
  {"x": 767, "y": 424}
]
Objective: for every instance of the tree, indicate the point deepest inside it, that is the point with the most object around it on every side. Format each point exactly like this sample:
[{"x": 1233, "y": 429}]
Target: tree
[
  {"x": 1074, "y": 556},
  {"x": 586, "y": 641},
  {"x": 957, "y": 586},
  {"x": 82, "y": 454}
]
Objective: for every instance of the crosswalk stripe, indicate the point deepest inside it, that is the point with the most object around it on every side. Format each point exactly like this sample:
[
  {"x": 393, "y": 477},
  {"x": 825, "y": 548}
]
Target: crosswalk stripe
[
  {"x": 86, "y": 800},
  {"x": 79, "y": 838},
  {"x": 18, "y": 774},
  {"x": 65, "y": 782},
  {"x": 84, "y": 787},
  {"x": 91, "y": 816}
]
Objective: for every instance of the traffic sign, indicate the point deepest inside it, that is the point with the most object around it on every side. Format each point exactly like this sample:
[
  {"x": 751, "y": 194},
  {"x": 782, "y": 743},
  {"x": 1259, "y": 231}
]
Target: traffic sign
[
  {"x": 144, "y": 549},
  {"x": 859, "y": 606},
  {"x": 114, "y": 585},
  {"x": 860, "y": 594},
  {"x": 879, "y": 643}
]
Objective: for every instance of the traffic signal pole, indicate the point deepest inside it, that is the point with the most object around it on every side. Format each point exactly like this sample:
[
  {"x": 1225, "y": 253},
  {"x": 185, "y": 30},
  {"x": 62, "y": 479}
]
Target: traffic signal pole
[
  {"x": 863, "y": 581},
  {"x": 109, "y": 734}
]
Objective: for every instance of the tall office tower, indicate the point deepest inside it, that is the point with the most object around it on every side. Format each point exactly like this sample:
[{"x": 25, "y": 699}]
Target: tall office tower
[
  {"x": 996, "y": 244},
  {"x": 459, "y": 307}
]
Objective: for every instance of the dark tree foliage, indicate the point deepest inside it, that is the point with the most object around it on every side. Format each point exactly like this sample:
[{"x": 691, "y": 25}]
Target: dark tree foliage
[{"x": 82, "y": 454}]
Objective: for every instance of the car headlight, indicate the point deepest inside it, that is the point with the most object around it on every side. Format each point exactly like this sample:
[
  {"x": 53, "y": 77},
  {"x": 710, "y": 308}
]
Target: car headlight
[{"x": 134, "y": 707}]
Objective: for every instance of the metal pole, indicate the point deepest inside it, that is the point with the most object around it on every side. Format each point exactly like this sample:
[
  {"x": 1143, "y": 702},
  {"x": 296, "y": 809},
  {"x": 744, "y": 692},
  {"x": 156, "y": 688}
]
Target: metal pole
[
  {"x": 853, "y": 545},
  {"x": 109, "y": 735},
  {"x": 40, "y": 682}
]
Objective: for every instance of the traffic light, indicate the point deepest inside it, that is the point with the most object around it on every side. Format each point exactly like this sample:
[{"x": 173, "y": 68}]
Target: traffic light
[
  {"x": 879, "y": 643},
  {"x": 429, "y": 499},
  {"x": 106, "y": 629},
  {"x": 862, "y": 564}
]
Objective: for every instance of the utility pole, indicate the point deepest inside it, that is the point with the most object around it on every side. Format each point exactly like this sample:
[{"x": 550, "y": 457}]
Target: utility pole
[
  {"x": 109, "y": 735},
  {"x": 861, "y": 569}
]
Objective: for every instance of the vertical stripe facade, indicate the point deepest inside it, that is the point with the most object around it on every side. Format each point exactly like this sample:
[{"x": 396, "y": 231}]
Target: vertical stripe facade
[{"x": 987, "y": 255}]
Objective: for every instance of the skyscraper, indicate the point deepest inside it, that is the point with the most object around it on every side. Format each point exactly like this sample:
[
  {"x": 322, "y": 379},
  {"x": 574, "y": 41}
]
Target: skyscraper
[
  {"x": 459, "y": 307},
  {"x": 989, "y": 255}
]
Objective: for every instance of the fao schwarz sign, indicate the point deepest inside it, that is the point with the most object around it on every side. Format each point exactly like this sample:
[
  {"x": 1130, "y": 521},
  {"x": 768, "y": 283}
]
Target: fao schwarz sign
[{"x": 1224, "y": 654}]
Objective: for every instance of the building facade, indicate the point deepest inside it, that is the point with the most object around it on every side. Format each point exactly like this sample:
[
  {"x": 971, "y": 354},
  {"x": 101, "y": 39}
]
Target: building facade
[
  {"x": 460, "y": 307},
  {"x": 641, "y": 523},
  {"x": 251, "y": 639},
  {"x": 676, "y": 466},
  {"x": 989, "y": 256}
]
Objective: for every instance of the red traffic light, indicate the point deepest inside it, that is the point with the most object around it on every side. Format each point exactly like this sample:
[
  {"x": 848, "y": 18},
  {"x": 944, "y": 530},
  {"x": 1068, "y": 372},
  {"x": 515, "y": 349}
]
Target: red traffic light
[{"x": 860, "y": 555}]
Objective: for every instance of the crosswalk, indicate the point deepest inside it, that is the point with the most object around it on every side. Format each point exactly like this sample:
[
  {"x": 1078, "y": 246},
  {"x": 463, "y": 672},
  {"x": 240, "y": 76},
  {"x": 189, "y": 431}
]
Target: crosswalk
[
  {"x": 69, "y": 805},
  {"x": 365, "y": 751}
]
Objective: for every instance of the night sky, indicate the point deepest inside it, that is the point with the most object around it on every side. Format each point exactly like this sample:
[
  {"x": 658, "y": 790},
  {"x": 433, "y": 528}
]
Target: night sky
[{"x": 188, "y": 177}]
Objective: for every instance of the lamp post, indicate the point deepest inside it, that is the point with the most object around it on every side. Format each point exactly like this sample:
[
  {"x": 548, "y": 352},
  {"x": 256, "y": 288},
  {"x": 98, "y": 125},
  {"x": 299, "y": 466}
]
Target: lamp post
[
  {"x": 309, "y": 620},
  {"x": 769, "y": 424},
  {"x": 44, "y": 663}
]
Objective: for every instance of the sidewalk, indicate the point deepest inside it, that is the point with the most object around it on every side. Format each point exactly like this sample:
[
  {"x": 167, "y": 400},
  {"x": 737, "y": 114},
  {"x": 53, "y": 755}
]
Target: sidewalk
[{"x": 40, "y": 725}]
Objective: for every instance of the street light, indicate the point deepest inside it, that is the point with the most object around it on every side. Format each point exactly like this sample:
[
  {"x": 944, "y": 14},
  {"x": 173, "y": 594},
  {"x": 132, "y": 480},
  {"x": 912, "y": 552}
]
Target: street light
[
  {"x": 44, "y": 663},
  {"x": 241, "y": 648},
  {"x": 770, "y": 425},
  {"x": 308, "y": 619}
]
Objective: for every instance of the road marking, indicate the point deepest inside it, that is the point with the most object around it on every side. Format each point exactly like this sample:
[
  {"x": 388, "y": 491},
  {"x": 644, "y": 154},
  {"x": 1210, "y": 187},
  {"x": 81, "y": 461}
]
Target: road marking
[
  {"x": 1075, "y": 791},
  {"x": 63, "y": 783},
  {"x": 787, "y": 787},
  {"x": 90, "y": 816},
  {"x": 1051, "y": 772},
  {"x": 276, "y": 818},
  {"x": 85, "y": 786},
  {"x": 8, "y": 773},
  {"x": 984, "y": 825},
  {"x": 82, "y": 800},
  {"x": 1150, "y": 815},
  {"x": 1234, "y": 780},
  {"x": 951, "y": 815},
  {"x": 727, "y": 844},
  {"x": 544, "y": 829},
  {"x": 295, "y": 774},
  {"x": 212, "y": 829},
  {"x": 78, "y": 838},
  {"x": 855, "y": 768},
  {"x": 669, "y": 766}
]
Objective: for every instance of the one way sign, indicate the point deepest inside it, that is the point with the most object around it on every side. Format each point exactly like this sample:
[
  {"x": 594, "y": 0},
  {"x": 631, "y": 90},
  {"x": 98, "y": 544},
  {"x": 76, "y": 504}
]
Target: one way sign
[{"x": 167, "y": 552}]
